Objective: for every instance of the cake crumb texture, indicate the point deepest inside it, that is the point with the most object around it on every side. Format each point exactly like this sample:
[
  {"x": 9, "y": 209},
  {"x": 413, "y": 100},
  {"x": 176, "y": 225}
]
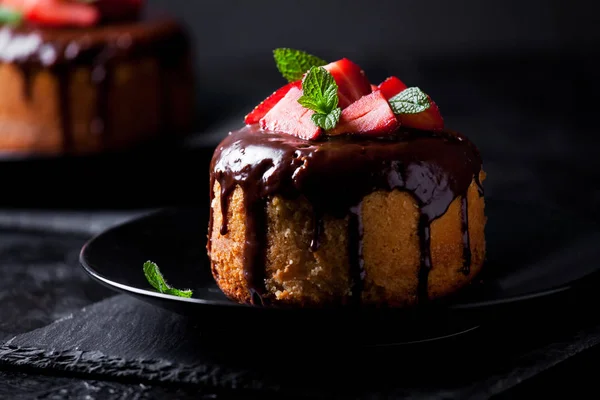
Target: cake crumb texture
[{"x": 295, "y": 275}]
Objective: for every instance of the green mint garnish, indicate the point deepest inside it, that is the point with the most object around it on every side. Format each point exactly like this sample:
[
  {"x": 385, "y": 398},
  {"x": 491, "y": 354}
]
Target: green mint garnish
[
  {"x": 294, "y": 63},
  {"x": 156, "y": 279},
  {"x": 9, "y": 16},
  {"x": 410, "y": 101},
  {"x": 327, "y": 121},
  {"x": 320, "y": 95}
]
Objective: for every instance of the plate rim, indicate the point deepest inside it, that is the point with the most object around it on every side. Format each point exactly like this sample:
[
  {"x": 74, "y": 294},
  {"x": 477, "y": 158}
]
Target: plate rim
[{"x": 450, "y": 306}]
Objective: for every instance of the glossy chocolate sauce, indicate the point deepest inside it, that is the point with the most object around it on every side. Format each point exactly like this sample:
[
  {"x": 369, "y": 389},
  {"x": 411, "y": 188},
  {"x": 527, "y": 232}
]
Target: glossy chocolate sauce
[
  {"x": 355, "y": 256},
  {"x": 100, "y": 49},
  {"x": 334, "y": 175}
]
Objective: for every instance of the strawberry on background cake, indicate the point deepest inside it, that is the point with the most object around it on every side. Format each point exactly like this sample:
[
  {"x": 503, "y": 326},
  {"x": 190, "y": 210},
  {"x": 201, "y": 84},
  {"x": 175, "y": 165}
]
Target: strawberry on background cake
[
  {"x": 87, "y": 76},
  {"x": 341, "y": 191}
]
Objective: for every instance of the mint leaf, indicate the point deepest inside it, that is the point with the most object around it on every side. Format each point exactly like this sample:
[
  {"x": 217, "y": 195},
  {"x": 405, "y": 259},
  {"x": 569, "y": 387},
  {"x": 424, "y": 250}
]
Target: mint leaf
[
  {"x": 327, "y": 121},
  {"x": 331, "y": 95},
  {"x": 410, "y": 101},
  {"x": 320, "y": 94},
  {"x": 156, "y": 279},
  {"x": 294, "y": 63},
  {"x": 319, "y": 91},
  {"x": 9, "y": 16},
  {"x": 180, "y": 293}
]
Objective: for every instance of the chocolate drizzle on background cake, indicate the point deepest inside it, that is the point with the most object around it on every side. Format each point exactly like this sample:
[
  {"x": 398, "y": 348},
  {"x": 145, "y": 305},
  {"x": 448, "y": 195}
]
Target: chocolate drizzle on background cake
[
  {"x": 99, "y": 50},
  {"x": 334, "y": 175}
]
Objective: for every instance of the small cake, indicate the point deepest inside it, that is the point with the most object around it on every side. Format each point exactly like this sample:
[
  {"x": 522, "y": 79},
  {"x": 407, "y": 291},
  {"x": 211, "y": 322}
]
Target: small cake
[
  {"x": 82, "y": 77},
  {"x": 340, "y": 192}
]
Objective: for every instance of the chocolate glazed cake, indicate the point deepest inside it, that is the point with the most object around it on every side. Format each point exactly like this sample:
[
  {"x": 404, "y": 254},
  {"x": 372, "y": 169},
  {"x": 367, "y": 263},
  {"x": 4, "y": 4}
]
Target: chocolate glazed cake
[
  {"x": 90, "y": 89},
  {"x": 353, "y": 210},
  {"x": 390, "y": 212}
]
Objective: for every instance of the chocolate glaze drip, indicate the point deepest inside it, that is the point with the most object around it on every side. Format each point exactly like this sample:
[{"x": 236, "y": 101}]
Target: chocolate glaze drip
[
  {"x": 256, "y": 223},
  {"x": 334, "y": 175},
  {"x": 62, "y": 75},
  {"x": 318, "y": 227},
  {"x": 101, "y": 77},
  {"x": 355, "y": 255},
  {"x": 464, "y": 226},
  {"x": 479, "y": 185},
  {"x": 424, "y": 230},
  {"x": 100, "y": 48},
  {"x": 28, "y": 71}
]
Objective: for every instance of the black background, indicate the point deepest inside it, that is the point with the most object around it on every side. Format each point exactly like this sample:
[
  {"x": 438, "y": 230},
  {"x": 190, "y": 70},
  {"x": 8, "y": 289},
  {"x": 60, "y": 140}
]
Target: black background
[{"x": 234, "y": 39}]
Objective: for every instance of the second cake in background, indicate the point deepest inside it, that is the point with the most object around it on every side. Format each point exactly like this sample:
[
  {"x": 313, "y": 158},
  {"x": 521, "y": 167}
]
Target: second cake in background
[{"x": 85, "y": 77}]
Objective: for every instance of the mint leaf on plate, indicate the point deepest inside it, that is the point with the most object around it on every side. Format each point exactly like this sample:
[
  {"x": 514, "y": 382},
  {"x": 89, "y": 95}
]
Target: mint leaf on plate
[{"x": 156, "y": 279}]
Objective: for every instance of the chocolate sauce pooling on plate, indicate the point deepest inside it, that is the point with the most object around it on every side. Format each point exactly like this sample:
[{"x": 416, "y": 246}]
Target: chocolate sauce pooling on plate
[
  {"x": 334, "y": 175},
  {"x": 99, "y": 49}
]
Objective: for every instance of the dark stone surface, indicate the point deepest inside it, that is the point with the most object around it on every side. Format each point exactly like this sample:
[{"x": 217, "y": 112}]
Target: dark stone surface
[
  {"x": 21, "y": 386},
  {"x": 40, "y": 281},
  {"x": 124, "y": 339}
]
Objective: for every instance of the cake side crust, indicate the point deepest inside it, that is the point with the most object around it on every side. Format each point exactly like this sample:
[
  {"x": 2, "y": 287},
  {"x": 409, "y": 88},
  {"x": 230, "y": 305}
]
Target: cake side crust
[{"x": 295, "y": 275}]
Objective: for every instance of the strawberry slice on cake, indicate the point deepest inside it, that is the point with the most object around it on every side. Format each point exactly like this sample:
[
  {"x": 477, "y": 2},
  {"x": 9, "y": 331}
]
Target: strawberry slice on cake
[
  {"x": 337, "y": 98},
  {"x": 291, "y": 117},
  {"x": 267, "y": 104},
  {"x": 351, "y": 80},
  {"x": 429, "y": 119},
  {"x": 371, "y": 115}
]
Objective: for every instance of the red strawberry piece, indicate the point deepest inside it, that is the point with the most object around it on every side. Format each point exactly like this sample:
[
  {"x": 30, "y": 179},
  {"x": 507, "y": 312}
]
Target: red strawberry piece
[
  {"x": 391, "y": 87},
  {"x": 374, "y": 88},
  {"x": 430, "y": 119},
  {"x": 370, "y": 115},
  {"x": 55, "y": 12},
  {"x": 118, "y": 10},
  {"x": 263, "y": 108},
  {"x": 288, "y": 116},
  {"x": 351, "y": 80}
]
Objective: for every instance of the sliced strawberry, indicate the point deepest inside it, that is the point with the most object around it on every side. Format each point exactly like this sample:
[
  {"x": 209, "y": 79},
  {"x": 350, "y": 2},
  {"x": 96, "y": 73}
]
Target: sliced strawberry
[
  {"x": 263, "y": 108},
  {"x": 75, "y": 13},
  {"x": 374, "y": 88},
  {"x": 370, "y": 115},
  {"x": 351, "y": 80},
  {"x": 391, "y": 87},
  {"x": 288, "y": 116},
  {"x": 56, "y": 12},
  {"x": 430, "y": 119}
]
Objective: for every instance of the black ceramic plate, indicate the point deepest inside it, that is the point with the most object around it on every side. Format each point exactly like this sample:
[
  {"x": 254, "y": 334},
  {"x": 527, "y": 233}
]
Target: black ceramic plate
[{"x": 533, "y": 253}]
